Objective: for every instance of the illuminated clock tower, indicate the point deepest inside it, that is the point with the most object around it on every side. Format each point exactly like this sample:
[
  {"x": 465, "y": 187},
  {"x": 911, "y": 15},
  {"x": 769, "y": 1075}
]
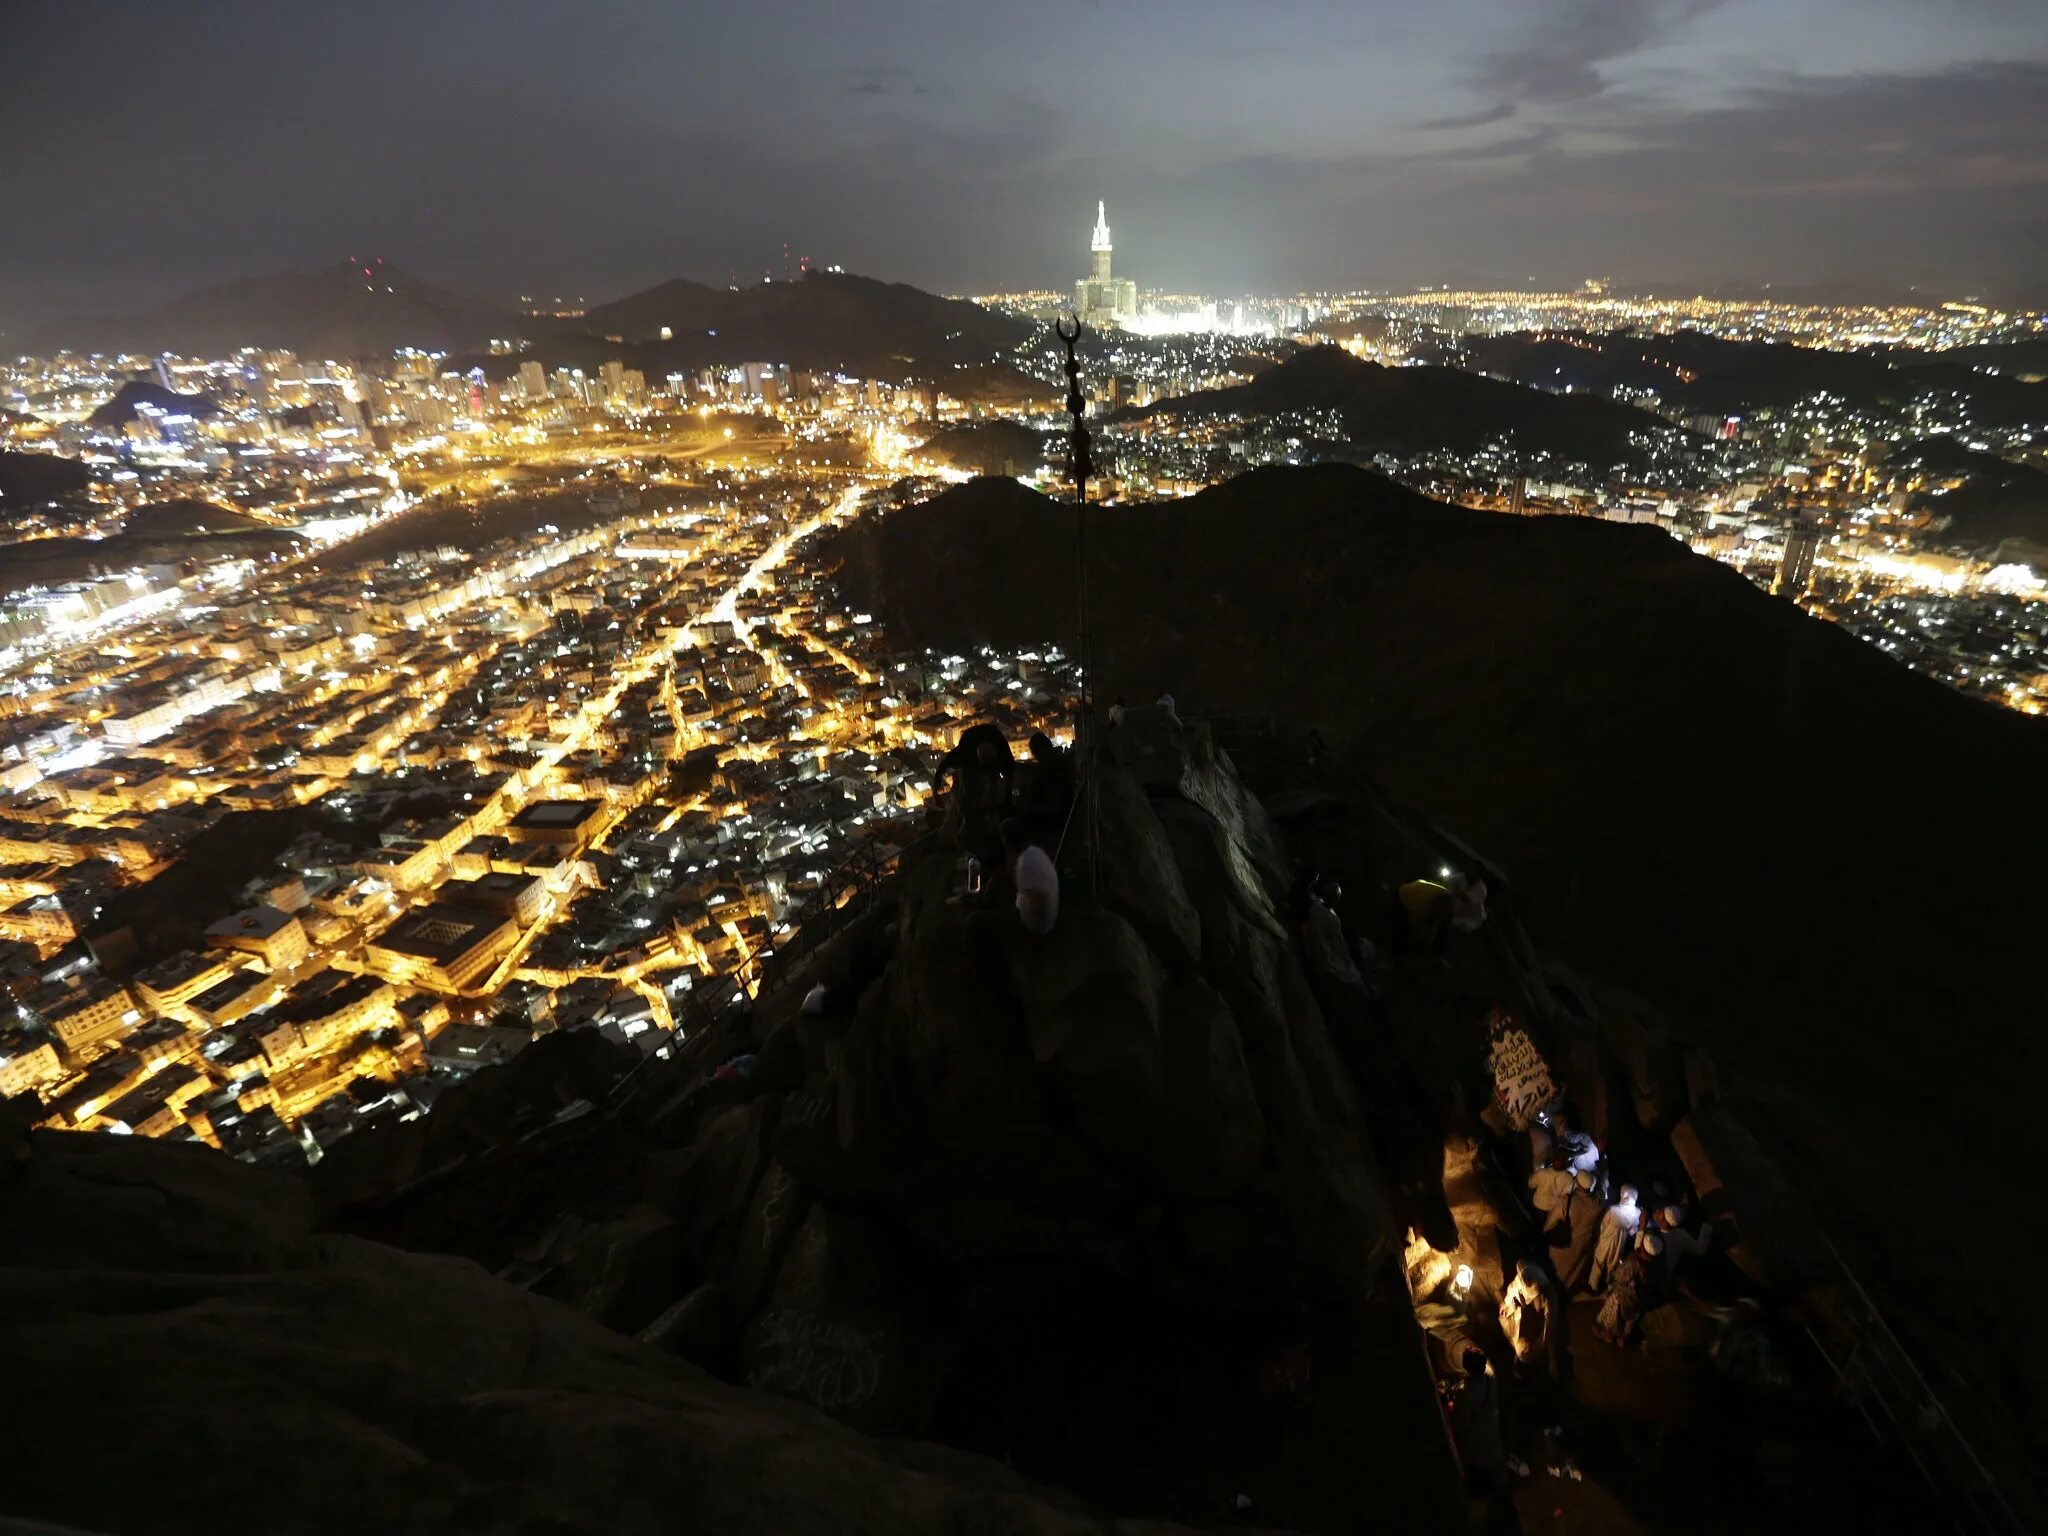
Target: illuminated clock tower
[{"x": 1100, "y": 298}]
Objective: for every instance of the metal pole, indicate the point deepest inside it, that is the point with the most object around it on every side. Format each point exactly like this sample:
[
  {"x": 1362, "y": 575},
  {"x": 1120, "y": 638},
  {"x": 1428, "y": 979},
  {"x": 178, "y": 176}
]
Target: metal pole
[{"x": 1082, "y": 465}]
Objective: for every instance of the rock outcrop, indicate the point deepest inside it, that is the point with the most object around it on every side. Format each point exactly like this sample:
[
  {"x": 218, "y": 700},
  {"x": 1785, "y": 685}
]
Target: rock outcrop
[
  {"x": 187, "y": 1350},
  {"x": 1589, "y": 704},
  {"x": 1011, "y": 1192}
]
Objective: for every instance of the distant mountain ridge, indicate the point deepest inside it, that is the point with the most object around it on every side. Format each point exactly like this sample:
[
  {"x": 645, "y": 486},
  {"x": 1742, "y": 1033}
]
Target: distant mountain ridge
[
  {"x": 1997, "y": 500},
  {"x": 1421, "y": 410},
  {"x": 348, "y": 309},
  {"x": 353, "y": 309},
  {"x": 824, "y": 321},
  {"x": 1711, "y": 375}
]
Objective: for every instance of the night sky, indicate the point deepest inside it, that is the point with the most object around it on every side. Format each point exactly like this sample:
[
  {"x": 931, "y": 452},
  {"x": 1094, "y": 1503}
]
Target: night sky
[{"x": 513, "y": 147}]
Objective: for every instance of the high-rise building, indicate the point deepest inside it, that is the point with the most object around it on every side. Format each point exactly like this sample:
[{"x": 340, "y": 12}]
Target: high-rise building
[
  {"x": 533, "y": 380},
  {"x": 1795, "y": 575},
  {"x": 1101, "y": 298}
]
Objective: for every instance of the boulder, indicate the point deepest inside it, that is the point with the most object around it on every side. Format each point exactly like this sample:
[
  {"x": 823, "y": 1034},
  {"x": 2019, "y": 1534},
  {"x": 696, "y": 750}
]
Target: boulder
[
  {"x": 1211, "y": 1132},
  {"x": 1758, "y": 1216},
  {"x": 772, "y": 1220},
  {"x": 1140, "y": 880},
  {"x": 624, "y": 1272},
  {"x": 1089, "y": 990},
  {"x": 1150, "y": 745},
  {"x": 1648, "y": 1053},
  {"x": 80, "y": 1200},
  {"x": 726, "y": 1163},
  {"x": 1317, "y": 1180},
  {"x": 180, "y": 1316},
  {"x": 699, "y": 1327}
]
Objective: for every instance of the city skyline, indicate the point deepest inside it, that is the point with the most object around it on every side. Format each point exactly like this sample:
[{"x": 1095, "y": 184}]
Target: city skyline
[{"x": 1809, "y": 146}]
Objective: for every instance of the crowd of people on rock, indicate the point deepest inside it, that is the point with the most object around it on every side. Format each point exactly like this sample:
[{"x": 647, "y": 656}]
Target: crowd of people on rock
[
  {"x": 1599, "y": 1246},
  {"x": 1003, "y": 815}
]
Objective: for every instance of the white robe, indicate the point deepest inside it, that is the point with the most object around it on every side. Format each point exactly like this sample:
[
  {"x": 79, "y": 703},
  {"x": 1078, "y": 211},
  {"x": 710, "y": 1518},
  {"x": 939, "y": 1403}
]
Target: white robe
[
  {"x": 1550, "y": 1188},
  {"x": 1525, "y": 1318},
  {"x": 1617, "y": 1230}
]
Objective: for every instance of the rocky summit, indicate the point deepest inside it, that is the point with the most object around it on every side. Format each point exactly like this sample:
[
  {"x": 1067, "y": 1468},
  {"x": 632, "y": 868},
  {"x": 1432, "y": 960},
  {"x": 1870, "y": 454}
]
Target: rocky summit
[{"x": 953, "y": 1226}]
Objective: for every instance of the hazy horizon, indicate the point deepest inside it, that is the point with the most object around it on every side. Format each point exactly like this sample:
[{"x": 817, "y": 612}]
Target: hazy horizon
[{"x": 1849, "y": 148}]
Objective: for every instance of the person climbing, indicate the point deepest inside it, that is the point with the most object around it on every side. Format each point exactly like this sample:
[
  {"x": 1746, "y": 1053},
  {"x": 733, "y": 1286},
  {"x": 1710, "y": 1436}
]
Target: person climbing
[
  {"x": 1425, "y": 912},
  {"x": 1525, "y": 1312},
  {"x": 1618, "y": 1230},
  {"x": 1578, "y": 1232},
  {"x": 1475, "y": 1427},
  {"x": 1117, "y": 711},
  {"x": 1037, "y": 882},
  {"x": 1628, "y": 1290},
  {"x": 1322, "y": 934}
]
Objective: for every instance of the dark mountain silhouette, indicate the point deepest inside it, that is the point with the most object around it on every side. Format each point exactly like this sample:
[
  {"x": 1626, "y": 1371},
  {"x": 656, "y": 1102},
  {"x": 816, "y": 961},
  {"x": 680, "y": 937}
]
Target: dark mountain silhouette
[
  {"x": 1997, "y": 500},
  {"x": 187, "y": 516},
  {"x": 1649, "y": 746},
  {"x": 824, "y": 321},
  {"x": 1423, "y": 410},
  {"x": 364, "y": 309},
  {"x": 1694, "y": 373},
  {"x": 2026, "y": 358},
  {"x": 120, "y": 410},
  {"x": 986, "y": 447},
  {"x": 349, "y": 309},
  {"x": 36, "y": 479}
]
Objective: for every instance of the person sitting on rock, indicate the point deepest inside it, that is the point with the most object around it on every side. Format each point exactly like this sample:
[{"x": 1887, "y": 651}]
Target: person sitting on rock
[
  {"x": 968, "y": 751},
  {"x": 980, "y": 769},
  {"x": 1165, "y": 702},
  {"x": 1045, "y": 787},
  {"x": 1628, "y": 1290},
  {"x": 1618, "y": 1230},
  {"x": 1036, "y": 880}
]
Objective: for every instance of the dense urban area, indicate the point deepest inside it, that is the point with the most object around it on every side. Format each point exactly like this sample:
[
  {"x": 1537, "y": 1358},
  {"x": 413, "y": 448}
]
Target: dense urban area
[{"x": 366, "y": 718}]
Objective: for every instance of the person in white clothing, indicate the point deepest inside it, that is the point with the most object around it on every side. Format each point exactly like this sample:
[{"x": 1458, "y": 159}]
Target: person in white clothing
[
  {"x": 1037, "y": 882},
  {"x": 1617, "y": 1231}
]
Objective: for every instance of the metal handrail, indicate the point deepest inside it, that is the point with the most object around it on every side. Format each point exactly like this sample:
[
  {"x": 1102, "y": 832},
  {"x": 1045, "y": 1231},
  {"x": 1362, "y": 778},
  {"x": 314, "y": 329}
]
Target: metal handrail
[{"x": 1905, "y": 1372}]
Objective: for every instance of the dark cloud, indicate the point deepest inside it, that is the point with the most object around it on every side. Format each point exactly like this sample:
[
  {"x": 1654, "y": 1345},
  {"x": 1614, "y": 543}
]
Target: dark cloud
[
  {"x": 1498, "y": 112},
  {"x": 514, "y": 146},
  {"x": 1564, "y": 45},
  {"x": 876, "y": 80}
]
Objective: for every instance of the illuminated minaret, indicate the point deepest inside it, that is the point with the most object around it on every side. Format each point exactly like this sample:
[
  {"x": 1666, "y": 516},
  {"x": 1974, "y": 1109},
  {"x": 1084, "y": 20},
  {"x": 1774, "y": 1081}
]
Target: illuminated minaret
[{"x": 1098, "y": 244}]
